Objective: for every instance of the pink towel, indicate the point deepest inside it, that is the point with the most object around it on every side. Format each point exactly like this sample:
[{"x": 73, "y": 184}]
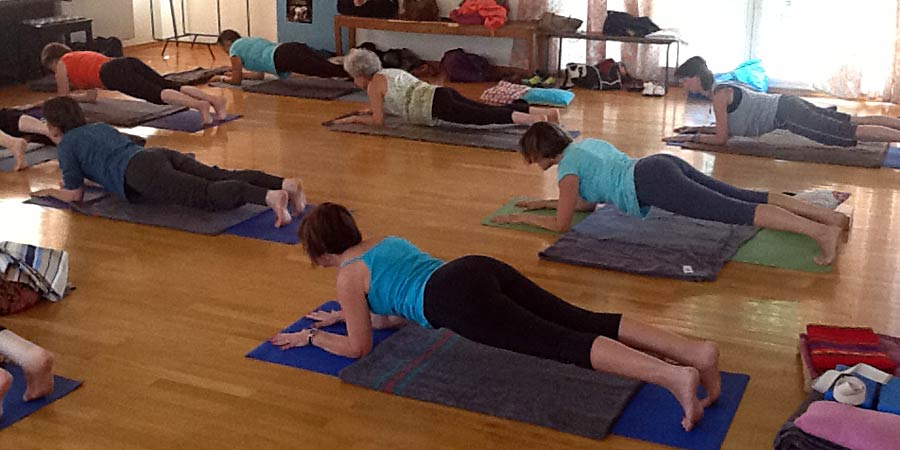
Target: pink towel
[{"x": 852, "y": 427}]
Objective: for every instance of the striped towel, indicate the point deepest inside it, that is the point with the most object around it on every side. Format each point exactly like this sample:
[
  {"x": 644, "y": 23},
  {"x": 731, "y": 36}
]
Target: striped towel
[
  {"x": 830, "y": 346},
  {"x": 44, "y": 270}
]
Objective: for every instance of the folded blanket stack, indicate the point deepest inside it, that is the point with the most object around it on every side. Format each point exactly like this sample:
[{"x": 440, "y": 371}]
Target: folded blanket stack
[{"x": 831, "y": 346}]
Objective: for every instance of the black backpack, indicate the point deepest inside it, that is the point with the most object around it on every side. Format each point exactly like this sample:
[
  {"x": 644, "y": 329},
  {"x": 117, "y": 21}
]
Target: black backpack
[
  {"x": 624, "y": 24},
  {"x": 462, "y": 66}
]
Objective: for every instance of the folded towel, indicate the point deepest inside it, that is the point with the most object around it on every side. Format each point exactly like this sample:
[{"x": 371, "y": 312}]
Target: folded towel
[
  {"x": 889, "y": 397},
  {"x": 851, "y": 427},
  {"x": 831, "y": 346},
  {"x": 841, "y": 335}
]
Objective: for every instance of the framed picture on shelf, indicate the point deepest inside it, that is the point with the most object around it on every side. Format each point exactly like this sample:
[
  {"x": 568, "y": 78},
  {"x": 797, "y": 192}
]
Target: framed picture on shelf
[{"x": 300, "y": 11}]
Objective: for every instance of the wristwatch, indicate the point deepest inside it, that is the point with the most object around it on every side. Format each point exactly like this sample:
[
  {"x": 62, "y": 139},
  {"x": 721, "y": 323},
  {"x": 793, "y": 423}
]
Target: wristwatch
[{"x": 310, "y": 335}]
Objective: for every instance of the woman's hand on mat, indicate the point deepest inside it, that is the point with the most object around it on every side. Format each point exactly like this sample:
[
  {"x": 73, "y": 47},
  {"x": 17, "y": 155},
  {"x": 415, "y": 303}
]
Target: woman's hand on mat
[
  {"x": 686, "y": 129},
  {"x": 346, "y": 120},
  {"x": 364, "y": 112},
  {"x": 325, "y": 318},
  {"x": 506, "y": 219},
  {"x": 529, "y": 205},
  {"x": 285, "y": 341},
  {"x": 43, "y": 193}
]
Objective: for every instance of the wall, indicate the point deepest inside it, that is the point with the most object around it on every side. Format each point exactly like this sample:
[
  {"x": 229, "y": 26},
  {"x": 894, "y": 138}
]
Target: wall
[
  {"x": 201, "y": 18},
  {"x": 111, "y": 17},
  {"x": 320, "y": 34}
]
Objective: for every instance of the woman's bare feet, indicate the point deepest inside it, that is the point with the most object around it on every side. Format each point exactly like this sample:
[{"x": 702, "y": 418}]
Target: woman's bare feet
[
  {"x": 684, "y": 387},
  {"x": 294, "y": 188},
  {"x": 205, "y": 113},
  {"x": 5, "y": 383},
  {"x": 220, "y": 104},
  {"x": 527, "y": 118},
  {"x": 278, "y": 201},
  {"x": 18, "y": 150},
  {"x": 828, "y": 242},
  {"x": 707, "y": 363},
  {"x": 552, "y": 114},
  {"x": 38, "y": 370}
]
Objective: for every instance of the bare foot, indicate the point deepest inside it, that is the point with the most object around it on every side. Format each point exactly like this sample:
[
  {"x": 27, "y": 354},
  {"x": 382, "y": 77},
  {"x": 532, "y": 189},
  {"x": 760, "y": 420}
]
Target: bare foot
[
  {"x": 842, "y": 221},
  {"x": 5, "y": 383},
  {"x": 684, "y": 388},
  {"x": 220, "y": 104},
  {"x": 552, "y": 114},
  {"x": 278, "y": 201},
  {"x": 708, "y": 365},
  {"x": 294, "y": 188},
  {"x": 205, "y": 115},
  {"x": 38, "y": 374},
  {"x": 18, "y": 150},
  {"x": 828, "y": 242}
]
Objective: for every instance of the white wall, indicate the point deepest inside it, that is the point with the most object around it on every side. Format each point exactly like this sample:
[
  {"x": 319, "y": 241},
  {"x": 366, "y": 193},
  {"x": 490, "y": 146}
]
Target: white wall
[
  {"x": 111, "y": 17},
  {"x": 201, "y": 18}
]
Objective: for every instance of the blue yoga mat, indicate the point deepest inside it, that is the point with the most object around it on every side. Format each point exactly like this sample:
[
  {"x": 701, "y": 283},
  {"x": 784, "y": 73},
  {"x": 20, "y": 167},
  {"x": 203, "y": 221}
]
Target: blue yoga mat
[
  {"x": 892, "y": 159},
  {"x": 188, "y": 121},
  {"x": 649, "y": 416},
  {"x": 312, "y": 358},
  {"x": 15, "y": 409},
  {"x": 653, "y": 414},
  {"x": 260, "y": 227}
]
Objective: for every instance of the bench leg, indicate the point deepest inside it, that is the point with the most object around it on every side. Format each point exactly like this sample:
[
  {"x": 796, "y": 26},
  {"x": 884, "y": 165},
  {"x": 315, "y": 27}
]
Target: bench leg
[
  {"x": 338, "y": 40},
  {"x": 351, "y": 38}
]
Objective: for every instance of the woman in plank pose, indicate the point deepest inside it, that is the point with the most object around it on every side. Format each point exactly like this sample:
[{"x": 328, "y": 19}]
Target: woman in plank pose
[
  {"x": 99, "y": 153},
  {"x": 387, "y": 282},
  {"x": 80, "y": 74},
  {"x": 260, "y": 56},
  {"x": 741, "y": 111},
  {"x": 398, "y": 93},
  {"x": 592, "y": 171}
]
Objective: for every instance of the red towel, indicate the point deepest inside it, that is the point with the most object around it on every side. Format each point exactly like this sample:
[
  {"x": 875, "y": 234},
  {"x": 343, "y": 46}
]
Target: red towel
[
  {"x": 494, "y": 15},
  {"x": 830, "y": 346}
]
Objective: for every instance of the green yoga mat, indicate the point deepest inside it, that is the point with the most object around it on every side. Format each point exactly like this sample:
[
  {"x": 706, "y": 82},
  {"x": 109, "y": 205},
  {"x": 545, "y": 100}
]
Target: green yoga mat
[
  {"x": 781, "y": 249},
  {"x": 511, "y": 208}
]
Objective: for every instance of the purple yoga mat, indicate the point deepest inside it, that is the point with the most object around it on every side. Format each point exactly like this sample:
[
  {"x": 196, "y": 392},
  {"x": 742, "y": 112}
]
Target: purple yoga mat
[{"x": 188, "y": 121}]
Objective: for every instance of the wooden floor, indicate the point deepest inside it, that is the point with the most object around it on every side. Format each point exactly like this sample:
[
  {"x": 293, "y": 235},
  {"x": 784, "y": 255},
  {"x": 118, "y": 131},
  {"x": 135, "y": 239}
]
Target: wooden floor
[{"x": 161, "y": 319}]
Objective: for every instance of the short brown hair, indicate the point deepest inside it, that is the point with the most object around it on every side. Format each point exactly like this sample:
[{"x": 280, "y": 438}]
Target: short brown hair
[
  {"x": 52, "y": 52},
  {"x": 328, "y": 228},
  {"x": 696, "y": 67},
  {"x": 228, "y": 37},
  {"x": 64, "y": 113},
  {"x": 543, "y": 140}
]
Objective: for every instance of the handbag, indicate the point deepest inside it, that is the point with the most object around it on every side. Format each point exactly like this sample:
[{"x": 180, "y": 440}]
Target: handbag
[{"x": 421, "y": 10}]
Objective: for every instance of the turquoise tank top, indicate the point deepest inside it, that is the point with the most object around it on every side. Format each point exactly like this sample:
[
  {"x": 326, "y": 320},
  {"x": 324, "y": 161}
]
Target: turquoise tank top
[
  {"x": 398, "y": 272},
  {"x": 256, "y": 54}
]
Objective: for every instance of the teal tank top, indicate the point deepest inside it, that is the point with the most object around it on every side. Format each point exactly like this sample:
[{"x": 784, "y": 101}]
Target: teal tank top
[
  {"x": 256, "y": 54},
  {"x": 398, "y": 272}
]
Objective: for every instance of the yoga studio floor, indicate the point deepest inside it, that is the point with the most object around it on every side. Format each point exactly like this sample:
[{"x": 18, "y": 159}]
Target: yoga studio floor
[{"x": 161, "y": 319}]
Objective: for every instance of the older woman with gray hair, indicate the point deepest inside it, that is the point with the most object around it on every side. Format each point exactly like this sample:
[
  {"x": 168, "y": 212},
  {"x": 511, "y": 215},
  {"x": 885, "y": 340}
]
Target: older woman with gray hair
[{"x": 398, "y": 93}]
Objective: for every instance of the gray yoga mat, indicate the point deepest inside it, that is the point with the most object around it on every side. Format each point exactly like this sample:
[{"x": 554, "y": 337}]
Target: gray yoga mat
[
  {"x": 120, "y": 112},
  {"x": 441, "y": 367},
  {"x": 244, "y": 84},
  {"x": 505, "y": 137},
  {"x": 663, "y": 244},
  {"x": 198, "y": 75},
  {"x": 102, "y": 204},
  {"x": 784, "y": 145},
  {"x": 304, "y": 87},
  {"x": 36, "y": 154}
]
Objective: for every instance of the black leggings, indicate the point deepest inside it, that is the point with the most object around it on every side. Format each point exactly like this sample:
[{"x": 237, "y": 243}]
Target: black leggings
[
  {"x": 670, "y": 183},
  {"x": 451, "y": 106},
  {"x": 298, "y": 58},
  {"x": 488, "y": 301},
  {"x": 132, "y": 77},
  {"x": 824, "y": 125},
  {"x": 9, "y": 121},
  {"x": 163, "y": 176}
]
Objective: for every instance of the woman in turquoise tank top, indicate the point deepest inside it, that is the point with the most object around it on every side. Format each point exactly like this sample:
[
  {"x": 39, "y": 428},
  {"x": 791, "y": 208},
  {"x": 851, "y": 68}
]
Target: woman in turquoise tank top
[
  {"x": 388, "y": 282},
  {"x": 740, "y": 111},
  {"x": 252, "y": 58},
  {"x": 593, "y": 171},
  {"x": 398, "y": 93}
]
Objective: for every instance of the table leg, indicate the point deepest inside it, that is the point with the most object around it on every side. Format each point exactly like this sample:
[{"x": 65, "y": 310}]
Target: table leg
[
  {"x": 532, "y": 59},
  {"x": 351, "y": 37},
  {"x": 89, "y": 35},
  {"x": 338, "y": 40},
  {"x": 559, "y": 57},
  {"x": 668, "y": 50}
]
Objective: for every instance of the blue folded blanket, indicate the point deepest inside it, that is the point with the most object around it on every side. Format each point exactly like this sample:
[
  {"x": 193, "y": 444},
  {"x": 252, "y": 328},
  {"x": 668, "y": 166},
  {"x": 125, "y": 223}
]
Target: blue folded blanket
[{"x": 889, "y": 398}]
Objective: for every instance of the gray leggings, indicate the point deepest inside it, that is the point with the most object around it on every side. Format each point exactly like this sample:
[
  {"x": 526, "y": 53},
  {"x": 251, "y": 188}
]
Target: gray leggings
[
  {"x": 163, "y": 176},
  {"x": 670, "y": 183}
]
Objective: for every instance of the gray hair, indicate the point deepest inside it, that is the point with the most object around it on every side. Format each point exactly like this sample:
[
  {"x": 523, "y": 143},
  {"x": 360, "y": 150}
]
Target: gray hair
[{"x": 361, "y": 62}]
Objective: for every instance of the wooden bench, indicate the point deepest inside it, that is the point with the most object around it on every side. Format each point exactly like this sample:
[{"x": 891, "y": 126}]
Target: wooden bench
[{"x": 516, "y": 30}]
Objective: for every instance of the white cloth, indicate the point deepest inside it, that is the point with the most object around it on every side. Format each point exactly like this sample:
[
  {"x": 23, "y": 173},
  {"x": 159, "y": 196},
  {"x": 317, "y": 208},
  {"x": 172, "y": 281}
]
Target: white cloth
[{"x": 824, "y": 382}]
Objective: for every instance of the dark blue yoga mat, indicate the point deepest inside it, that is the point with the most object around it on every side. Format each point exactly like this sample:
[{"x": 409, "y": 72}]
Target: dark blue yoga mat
[
  {"x": 16, "y": 409},
  {"x": 651, "y": 416},
  {"x": 892, "y": 159},
  {"x": 261, "y": 227},
  {"x": 312, "y": 358},
  {"x": 188, "y": 121}
]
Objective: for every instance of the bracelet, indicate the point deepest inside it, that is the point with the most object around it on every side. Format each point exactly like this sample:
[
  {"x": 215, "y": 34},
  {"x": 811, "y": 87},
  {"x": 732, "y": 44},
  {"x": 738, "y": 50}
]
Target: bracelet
[{"x": 310, "y": 334}]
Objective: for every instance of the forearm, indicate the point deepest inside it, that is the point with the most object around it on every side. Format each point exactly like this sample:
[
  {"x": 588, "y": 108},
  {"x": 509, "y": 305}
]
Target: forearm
[
  {"x": 337, "y": 344},
  {"x": 545, "y": 222},
  {"x": 712, "y": 139}
]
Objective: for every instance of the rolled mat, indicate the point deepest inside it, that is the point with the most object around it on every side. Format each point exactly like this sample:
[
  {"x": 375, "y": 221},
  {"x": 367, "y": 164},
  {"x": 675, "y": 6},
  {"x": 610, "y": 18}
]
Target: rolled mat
[
  {"x": 662, "y": 244},
  {"x": 441, "y": 367},
  {"x": 511, "y": 208},
  {"x": 784, "y": 145},
  {"x": 120, "y": 112},
  {"x": 16, "y": 409},
  {"x": 188, "y": 121},
  {"x": 505, "y": 137},
  {"x": 304, "y": 87}
]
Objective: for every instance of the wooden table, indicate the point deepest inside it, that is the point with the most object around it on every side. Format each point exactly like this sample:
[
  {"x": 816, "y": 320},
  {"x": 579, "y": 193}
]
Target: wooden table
[
  {"x": 527, "y": 31},
  {"x": 667, "y": 41}
]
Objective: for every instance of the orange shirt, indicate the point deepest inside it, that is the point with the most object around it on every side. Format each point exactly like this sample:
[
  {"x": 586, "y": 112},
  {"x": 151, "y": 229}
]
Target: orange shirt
[{"x": 83, "y": 69}]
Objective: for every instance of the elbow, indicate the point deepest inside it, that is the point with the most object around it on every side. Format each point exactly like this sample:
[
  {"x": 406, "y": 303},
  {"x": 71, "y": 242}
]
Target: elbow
[{"x": 357, "y": 352}]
